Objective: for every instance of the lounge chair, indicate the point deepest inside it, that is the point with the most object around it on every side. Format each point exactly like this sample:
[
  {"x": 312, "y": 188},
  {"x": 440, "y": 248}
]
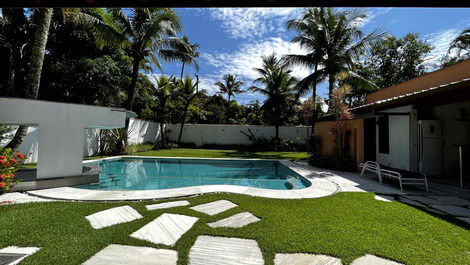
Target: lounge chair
[{"x": 405, "y": 177}]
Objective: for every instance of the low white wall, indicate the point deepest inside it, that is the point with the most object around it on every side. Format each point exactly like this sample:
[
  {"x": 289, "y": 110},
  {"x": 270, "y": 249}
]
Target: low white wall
[{"x": 220, "y": 134}]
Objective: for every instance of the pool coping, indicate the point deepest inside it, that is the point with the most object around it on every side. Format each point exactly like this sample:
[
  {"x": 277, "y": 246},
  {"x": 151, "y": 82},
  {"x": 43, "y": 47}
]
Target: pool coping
[{"x": 320, "y": 187}]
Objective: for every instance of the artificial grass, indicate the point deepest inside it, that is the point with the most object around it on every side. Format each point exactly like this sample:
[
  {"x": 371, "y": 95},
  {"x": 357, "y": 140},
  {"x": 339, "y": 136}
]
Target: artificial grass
[
  {"x": 346, "y": 225},
  {"x": 217, "y": 153}
]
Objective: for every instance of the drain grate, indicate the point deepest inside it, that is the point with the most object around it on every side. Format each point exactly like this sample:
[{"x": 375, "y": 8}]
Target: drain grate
[{"x": 9, "y": 258}]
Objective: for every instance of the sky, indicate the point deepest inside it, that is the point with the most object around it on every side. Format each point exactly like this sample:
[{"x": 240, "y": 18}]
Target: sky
[{"x": 232, "y": 40}]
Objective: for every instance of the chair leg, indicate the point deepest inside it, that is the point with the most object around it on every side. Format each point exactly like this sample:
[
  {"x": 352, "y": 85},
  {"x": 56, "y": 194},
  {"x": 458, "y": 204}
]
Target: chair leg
[
  {"x": 401, "y": 185},
  {"x": 426, "y": 182},
  {"x": 362, "y": 171}
]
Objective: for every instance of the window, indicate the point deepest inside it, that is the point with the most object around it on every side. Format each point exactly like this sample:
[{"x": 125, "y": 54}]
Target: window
[{"x": 383, "y": 135}]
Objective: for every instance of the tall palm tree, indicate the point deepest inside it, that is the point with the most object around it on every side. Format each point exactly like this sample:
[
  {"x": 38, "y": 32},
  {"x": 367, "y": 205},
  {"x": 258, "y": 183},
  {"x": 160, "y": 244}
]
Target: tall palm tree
[
  {"x": 184, "y": 51},
  {"x": 461, "y": 43},
  {"x": 278, "y": 88},
  {"x": 187, "y": 91},
  {"x": 338, "y": 40},
  {"x": 43, "y": 18},
  {"x": 164, "y": 89},
  {"x": 231, "y": 86}
]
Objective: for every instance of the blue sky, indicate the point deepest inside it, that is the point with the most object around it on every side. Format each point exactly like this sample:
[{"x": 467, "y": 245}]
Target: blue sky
[{"x": 232, "y": 40}]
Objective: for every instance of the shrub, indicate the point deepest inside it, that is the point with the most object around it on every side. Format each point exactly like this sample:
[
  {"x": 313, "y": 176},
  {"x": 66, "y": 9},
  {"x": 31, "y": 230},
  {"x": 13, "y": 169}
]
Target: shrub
[
  {"x": 333, "y": 162},
  {"x": 10, "y": 162},
  {"x": 135, "y": 148}
]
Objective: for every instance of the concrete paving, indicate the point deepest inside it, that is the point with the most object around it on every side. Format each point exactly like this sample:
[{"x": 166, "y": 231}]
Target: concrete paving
[
  {"x": 453, "y": 210},
  {"x": 213, "y": 208},
  {"x": 305, "y": 259},
  {"x": 373, "y": 260},
  {"x": 383, "y": 198},
  {"x": 22, "y": 252},
  {"x": 166, "y": 229},
  {"x": 17, "y": 198},
  {"x": 113, "y": 216},
  {"x": 166, "y": 205},
  {"x": 126, "y": 255},
  {"x": 236, "y": 221},
  {"x": 210, "y": 250}
]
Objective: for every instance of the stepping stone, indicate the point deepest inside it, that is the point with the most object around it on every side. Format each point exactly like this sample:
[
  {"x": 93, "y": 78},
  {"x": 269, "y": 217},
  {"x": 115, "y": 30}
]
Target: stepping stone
[
  {"x": 383, "y": 198},
  {"x": 166, "y": 205},
  {"x": 236, "y": 221},
  {"x": 453, "y": 210},
  {"x": 305, "y": 259},
  {"x": 210, "y": 250},
  {"x": 213, "y": 208},
  {"x": 122, "y": 214},
  {"x": 373, "y": 260},
  {"x": 411, "y": 202},
  {"x": 166, "y": 229},
  {"x": 124, "y": 255},
  {"x": 14, "y": 255}
]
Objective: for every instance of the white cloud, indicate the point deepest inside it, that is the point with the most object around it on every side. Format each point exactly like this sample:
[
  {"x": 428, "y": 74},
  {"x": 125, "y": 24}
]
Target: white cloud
[
  {"x": 243, "y": 23},
  {"x": 440, "y": 41}
]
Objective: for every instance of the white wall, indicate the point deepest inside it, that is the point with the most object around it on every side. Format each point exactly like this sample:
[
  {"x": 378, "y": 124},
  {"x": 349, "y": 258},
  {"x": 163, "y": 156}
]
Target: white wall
[
  {"x": 201, "y": 134},
  {"x": 399, "y": 140}
]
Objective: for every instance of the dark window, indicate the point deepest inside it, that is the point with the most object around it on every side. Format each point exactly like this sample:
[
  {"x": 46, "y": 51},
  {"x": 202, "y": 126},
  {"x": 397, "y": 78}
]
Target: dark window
[{"x": 383, "y": 135}]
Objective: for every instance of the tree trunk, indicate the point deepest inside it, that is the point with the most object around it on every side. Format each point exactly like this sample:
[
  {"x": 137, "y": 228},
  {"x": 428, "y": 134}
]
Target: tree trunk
[
  {"x": 182, "y": 123},
  {"x": 162, "y": 134},
  {"x": 277, "y": 132},
  {"x": 227, "y": 112},
  {"x": 132, "y": 87},
  {"x": 33, "y": 77},
  {"x": 331, "y": 87},
  {"x": 15, "y": 56},
  {"x": 314, "y": 114},
  {"x": 182, "y": 71}
]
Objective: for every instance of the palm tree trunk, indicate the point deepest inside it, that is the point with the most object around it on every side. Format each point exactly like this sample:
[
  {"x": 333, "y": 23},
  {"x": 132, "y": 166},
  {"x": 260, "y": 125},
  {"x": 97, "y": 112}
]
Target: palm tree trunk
[
  {"x": 228, "y": 110},
  {"x": 314, "y": 113},
  {"x": 182, "y": 123},
  {"x": 33, "y": 77},
  {"x": 132, "y": 87},
  {"x": 162, "y": 134},
  {"x": 331, "y": 87},
  {"x": 14, "y": 58},
  {"x": 182, "y": 71},
  {"x": 277, "y": 132}
]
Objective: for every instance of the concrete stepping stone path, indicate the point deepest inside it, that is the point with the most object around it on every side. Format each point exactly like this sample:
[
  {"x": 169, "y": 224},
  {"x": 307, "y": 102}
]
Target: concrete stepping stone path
[
  {"x": 117, "y": 215},
  {"x": 213, "y": 208},
  {"x": 166, "y": 229},
  {"x": 14, "y": 255},
  {"x": 125, "y": 255},
  {"x": 236, "y": 221},
  {"x": 166, "y": 205},
  {"x": 305, "y": 259},
  {"x": 209, "y": 250},
  {"x": 373, "y": 260},
  {"x": 383, "y": 198}
]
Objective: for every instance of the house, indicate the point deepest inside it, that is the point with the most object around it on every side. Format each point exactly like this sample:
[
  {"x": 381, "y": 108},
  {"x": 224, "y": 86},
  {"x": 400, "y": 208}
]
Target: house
[{"x": 422, "y": 125}]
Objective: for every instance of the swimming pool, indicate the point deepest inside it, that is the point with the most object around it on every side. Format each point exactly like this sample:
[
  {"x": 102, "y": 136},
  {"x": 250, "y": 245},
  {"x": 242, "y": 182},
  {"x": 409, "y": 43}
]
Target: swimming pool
[{"x": 165, "y": 173}]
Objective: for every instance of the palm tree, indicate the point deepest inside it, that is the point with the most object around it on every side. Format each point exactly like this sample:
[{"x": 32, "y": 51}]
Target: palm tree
[
  {"x": 278, "y": 88},
  {"x": 164, "y": 89},
  {"x": 43, "y": 18},
  {"x": 335, "y": 37},
  {"x": 461, "y": 43},
  {"x": 187, "y": 91},
  {"x": 231, "y": 87},
  {"x": 184, "y": 51}
]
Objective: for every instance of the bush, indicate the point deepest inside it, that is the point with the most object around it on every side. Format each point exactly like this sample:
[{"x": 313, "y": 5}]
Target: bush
[
  {"x": 10, "y": 162},
  {"x": 135, "y": 148},
  {"x": 334, "y": 163}
]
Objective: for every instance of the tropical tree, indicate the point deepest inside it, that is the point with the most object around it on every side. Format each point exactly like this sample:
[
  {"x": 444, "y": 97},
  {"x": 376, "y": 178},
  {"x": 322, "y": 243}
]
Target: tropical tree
[
  {"x": 230, "y": 87},
  {"x": 340, "y": 41},
  {"x": 278, "y": 88},
  {"x": 187, "y": 91},
  {"x": 342, "y": 115},
  {"x": 461, "y": 45},
  {"x": 182, "y": 50},
  {"x": 43, "y": 18},
  {"x": 164, "y": 89}
]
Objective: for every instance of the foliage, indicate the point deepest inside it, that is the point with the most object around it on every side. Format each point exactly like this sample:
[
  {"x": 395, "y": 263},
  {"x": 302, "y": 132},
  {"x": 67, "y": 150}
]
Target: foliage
[
  {"x": 394, "y": 61},
  {"x": 135, "y": 148},
  {"x": 342, "y": 115},
  {"x": 333, "y": 162},
  {"x": 5, "y": 132},
  {"x": 461, "y": 46},
  {"x": 10, "y": 162}
]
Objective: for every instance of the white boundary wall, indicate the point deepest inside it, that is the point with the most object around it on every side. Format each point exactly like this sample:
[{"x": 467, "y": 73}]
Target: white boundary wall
[
  {"x": 221, "y": 134},
  {"x": 141, "y": 131}
]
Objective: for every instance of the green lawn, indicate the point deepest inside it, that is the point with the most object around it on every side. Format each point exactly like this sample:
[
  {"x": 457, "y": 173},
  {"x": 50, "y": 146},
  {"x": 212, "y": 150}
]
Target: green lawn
[
  {"x": 215, "y": 153},
  {"x": 346, "y": 225}
]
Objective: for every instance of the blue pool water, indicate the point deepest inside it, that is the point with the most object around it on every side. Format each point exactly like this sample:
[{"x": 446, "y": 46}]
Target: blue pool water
[{"x": 165, "y": 173}]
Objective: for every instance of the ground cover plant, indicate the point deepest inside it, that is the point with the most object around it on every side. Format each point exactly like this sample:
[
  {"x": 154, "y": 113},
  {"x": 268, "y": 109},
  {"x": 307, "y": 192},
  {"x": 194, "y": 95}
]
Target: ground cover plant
[{"x": 346, "y": 225}]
